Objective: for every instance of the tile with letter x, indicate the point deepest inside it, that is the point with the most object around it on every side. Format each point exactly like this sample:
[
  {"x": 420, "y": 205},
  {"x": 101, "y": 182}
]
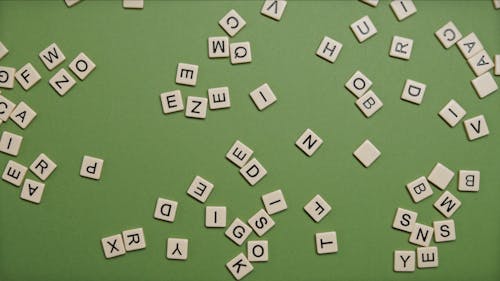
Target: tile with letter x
[{"x": 113, "y": 246}]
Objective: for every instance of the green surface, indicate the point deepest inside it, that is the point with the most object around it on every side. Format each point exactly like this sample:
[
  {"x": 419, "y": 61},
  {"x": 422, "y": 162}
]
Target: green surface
[{"x": 115, "y": 114}]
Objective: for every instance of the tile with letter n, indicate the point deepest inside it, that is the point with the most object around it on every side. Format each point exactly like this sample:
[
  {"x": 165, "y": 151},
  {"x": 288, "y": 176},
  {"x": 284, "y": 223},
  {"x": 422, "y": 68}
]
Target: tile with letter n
[{"x": 309, "y": 142}]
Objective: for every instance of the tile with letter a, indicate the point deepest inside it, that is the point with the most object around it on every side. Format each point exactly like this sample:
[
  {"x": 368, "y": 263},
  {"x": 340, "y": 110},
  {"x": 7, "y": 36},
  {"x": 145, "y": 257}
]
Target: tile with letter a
[
  {"x": 452, "y": 113},
  {"x": 369, "y": 103},
  {"x": 403, "y": 8},
  {"x": 404, "y": 261},
  {"x": 52, "y": 56},
  {"x": 274, "y": 202},
  {"x": 232, "y": 23},
  {"x": 448, "y": 35},
  {"x": 469, "y": 45},
  {"x": 22, "y": 115},
  {"x": 404, "y": 220},
  {"x": 6, "y": 107},
  {"x": 10, "y": 143},
  {"x": 134, "y": 239},
  {"x": 238, "y": 231},
  {"x": 263, "y": 96},
  {"x": 32, "y": 191},
  {"x": 14, "y": 173},
  {"x": 447, "y": 204},
  {"x": 27, "y": 76},
  {"x": 239, "y": 266},
  {"x": 43, "y": 167},
  {"x": 82, "y": 66},
  {"x": 317, "y": 208},
  {"x": 113, "y": 246},
  {"x": 165, "y": 209},
  {"x": 309, "y": 142},
  {"x": 329, "y": 49},
  {"x": 367, "y": 153},
  {"x": 484, "y": 85},
  {"x": 363, "y": 29},
  {"x": 476, "y": 127},
  {"x": 62, "y": 82},
  {"x": 480, "y": 62},
  {"x": 273, "y": 9}
]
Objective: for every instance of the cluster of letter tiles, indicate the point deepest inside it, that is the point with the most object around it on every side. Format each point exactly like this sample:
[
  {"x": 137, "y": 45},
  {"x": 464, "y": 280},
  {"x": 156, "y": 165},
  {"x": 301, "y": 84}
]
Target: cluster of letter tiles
[
  {"x": 442, "y": 230},
  {"x": 23, "y": 115}
]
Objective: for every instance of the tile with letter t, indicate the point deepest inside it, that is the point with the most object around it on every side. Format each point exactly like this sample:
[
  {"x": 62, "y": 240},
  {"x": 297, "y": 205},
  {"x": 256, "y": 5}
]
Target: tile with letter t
[
  {"x": 43, "y": 167},
  {"x": 253, "y": 171},
  {"x": 329, "y": 49},
  {"x": 404, "y": 261},
  {"x": 239, "y": 266},
  {"x": 218, "y": 47},
  {"x": 239, "y": 154},
  {"x": 62, "y": 82},
  {"x": 484, "y": 85},
  {"x": 317, "y": 208},
  {"x": 440, "y": 176},
  {"x": 218, "y": 98},
  {"x": 165, "y": 210},
  {"x": 369, "y": 103},
  {"x": 238, "y": 231},
  {"x": 421, "y": 235},
  {"x": 427, "y": 257},
  {"x": 196, "y": 107},
  {"x": 10, "y": 143},
  {"x": 261, "y": 222},
  {"x": 419, "y": 189},
  {"x": 232, "y": 23},
  {"x": 401, "y": 47},
  {"x": 200, "y": 189},
  {"x": 469, "y": 180},
  {"x": 6, "y": 106},
  {"x": 257, "y": 250},
  {"x": 215, "y": 216},
  {"x": 171, "y": 101},
  {"x": 177, "y": 249},
  {"x": 413, "y": 91},
  {"x": 476, "y": 127},
  {"x": 82, "y": 66},
  {"x": 52, "y": 56},
  {"x": 363, "y": 29},
  {"x": 273, "y": 9},
  {"x": 447, "y": 204},
  {"x": 274, "y": 202},
  {"x": 32, "y": 191},
  {"x": 22, "y": 115},
  {"x": 309, "y": 142},
  {"x": 404, "y": 220},
  {"x": 134, "y": 239},
  {"x": 240, "y": 52},
  {"x": 187, "y": 74},
  {"x": 7, "y": 77},
  {"x": 263, "y": 96},
  {"x": 358, "y": 84},
  {"x": 448, "y": 35},
  {"x": 91, "y": 167},
  {"x": 113, "y": 246},
  {"x": 367, "y": 153},
  {"x": 444, "y": 231},
  {"x": 452, "y": 113},
  {"x": 403, "y": 8},
  {"x": 27, "y": 76},
  {"x": 14, "y": 173},
  {"x": 326, "y": 242}
]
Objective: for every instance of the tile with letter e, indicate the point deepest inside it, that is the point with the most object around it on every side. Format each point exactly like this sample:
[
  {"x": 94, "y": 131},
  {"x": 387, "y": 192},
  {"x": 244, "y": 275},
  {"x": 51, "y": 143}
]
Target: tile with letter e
[
  {"x": 14, "y": 173},
  {"x": 317, "y": 208},
  {"x": 218, "y": 98},
  {"x": 427, "y": 257},
  {"x": 113, "y": 246},
  {"x": 239, "y": 154},
  {"x": 32, "y": 191},
  {"x": 200, "y": 189},
  {"x": 187, "y": 74},
  {"x": 165, "y": 209},
  {"x": 309, "y": 142},
  {"x": 91, "y": 167},
  {"x": 326, "y": 242},
  {"x": 171, "y": 101}
]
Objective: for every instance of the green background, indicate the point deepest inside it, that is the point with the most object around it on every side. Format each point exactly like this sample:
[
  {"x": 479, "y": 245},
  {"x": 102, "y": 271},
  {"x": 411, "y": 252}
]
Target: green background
[{"x": 115, "y": 114}]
